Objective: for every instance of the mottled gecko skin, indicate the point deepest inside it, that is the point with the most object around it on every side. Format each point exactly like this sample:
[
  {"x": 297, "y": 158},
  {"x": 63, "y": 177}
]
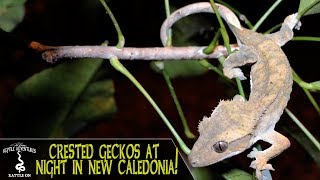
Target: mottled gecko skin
[
  {"x": 271, "y": 76},
  {"x": 236, "y": 125}
]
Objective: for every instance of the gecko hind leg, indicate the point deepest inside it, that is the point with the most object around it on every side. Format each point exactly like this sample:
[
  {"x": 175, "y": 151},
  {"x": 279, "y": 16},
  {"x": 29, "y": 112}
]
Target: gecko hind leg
[
  {"x": 244, "y": 56},
  {"x": 278, "y": 144}
]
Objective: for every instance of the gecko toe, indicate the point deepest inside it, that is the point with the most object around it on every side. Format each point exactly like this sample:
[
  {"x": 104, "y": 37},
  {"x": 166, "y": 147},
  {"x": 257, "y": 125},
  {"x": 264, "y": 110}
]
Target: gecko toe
[
  {"x": 253, "y": 153},
  {"x": 268, "y": 167}
]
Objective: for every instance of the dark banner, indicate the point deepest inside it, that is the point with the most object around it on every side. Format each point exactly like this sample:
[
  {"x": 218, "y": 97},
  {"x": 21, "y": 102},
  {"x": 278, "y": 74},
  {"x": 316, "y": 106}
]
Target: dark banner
[{"x": 91, "y": 159}]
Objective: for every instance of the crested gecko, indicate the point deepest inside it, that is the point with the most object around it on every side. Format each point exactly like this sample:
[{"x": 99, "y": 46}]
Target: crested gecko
[{"x": 235, "y": 125}]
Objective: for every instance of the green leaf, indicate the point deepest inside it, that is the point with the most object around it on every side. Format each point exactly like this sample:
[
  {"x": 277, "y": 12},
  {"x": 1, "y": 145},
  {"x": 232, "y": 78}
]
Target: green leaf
[
  {"x": 11, "y": 13},
  {"x": 59, "y": 97},
  {"x": 308, "y": 7},
  {"x": 237, "y": 174}
]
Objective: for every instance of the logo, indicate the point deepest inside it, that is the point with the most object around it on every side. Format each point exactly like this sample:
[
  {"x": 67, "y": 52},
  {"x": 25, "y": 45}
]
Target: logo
[{"x": 19, "y": 148}]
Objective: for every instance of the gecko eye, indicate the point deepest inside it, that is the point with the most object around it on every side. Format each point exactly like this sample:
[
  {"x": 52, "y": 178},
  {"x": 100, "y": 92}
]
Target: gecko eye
[{"x": 220, "y": 146}]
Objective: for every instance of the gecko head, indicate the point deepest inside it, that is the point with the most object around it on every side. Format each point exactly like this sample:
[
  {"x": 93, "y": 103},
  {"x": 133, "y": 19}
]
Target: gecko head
[{"x": 223, "y": 135}]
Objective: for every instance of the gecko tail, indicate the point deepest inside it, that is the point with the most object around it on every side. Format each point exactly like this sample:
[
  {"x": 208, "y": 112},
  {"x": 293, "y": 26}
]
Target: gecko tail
[{"x": 229, "y": 16}]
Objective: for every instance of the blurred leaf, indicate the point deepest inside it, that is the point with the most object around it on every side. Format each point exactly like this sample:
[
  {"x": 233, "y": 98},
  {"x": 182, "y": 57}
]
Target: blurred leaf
[
  {"x": 187, "y": 31},
  {"x": 237, "y": 174},
  {"x": 203, "y": 174},
  {"x": 64, "y": 95},
  {"x": 95, "y": 103},
  {"x": 11, "y": 13},
  {"x": 308, "y": 7},
  {"x": 305, "y": 142}
]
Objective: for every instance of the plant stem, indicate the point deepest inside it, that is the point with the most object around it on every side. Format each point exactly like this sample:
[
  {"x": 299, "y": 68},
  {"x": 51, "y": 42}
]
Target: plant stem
[
  {"x": 208, "y": 50},
  {"x": 121, "y": 39},
  {"x": 299, "y": 81},
  {"x": 306, "y": 38},
  {"x": 240, "y": 88},
  {"x": 303, "y": 128},
  {"x": 213, "y": 44},
  {"x": 186, "y": 128},
  {"x": 226, "y": 43},
  {"x": 166, "y": 76},
  {"x": 264, "y": 17},
  {"x": 169, "y": 32},
  {"x": 222, "y": 27},
  {"x": 118, "y": 66},
  {"x": 205, "y": 63}
]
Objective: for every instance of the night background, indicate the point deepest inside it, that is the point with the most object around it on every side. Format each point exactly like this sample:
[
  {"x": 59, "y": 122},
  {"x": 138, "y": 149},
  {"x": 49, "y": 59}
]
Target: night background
[{"x": 129, "y": 114}]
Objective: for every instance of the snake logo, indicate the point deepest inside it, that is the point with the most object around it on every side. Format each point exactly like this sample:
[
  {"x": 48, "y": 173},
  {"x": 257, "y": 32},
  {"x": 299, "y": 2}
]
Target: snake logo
[
  {"x": 20, "y": 167},
  {"x": 19, "y": 147}
]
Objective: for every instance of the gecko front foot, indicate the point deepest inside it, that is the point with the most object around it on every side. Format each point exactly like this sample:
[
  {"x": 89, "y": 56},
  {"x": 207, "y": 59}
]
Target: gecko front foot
[
  {"x": 233, "y": 73},
  {"x": 260, "y": 162},
  {"x": 292, "y": 21}
]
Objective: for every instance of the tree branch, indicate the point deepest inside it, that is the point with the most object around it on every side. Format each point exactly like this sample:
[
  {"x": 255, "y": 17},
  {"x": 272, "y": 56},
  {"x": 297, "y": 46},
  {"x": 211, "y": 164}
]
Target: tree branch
[{"x": 51, "y": 53}]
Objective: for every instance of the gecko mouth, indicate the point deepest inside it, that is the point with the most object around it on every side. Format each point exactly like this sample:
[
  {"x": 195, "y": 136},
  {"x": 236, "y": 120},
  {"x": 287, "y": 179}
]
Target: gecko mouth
[
  {"x": 198, "y": 161},
  {"x": 194, "y": 160},
  {"x": 194, "y": 163}
]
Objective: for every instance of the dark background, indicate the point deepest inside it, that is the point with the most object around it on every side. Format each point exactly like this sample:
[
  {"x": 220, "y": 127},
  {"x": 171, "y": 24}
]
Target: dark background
[{"x": 81, "y": 22}]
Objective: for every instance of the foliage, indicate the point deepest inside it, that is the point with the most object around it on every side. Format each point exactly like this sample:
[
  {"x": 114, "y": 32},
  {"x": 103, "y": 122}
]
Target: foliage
[
  {"x": 11, "y": 13},
  {"x": 59, "y": 101},
  {"x": 308, "y": 7},
  {"x": 237, "y": 174}
]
